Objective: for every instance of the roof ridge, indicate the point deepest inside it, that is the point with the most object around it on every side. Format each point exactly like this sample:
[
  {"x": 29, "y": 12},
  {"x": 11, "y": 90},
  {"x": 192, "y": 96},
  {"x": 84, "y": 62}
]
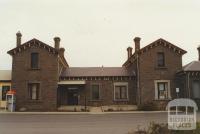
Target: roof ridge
[
  {"x": 192, "y": 66},
  {"x": 96, "y": 67},
  {"x": 188, "y": 65}
]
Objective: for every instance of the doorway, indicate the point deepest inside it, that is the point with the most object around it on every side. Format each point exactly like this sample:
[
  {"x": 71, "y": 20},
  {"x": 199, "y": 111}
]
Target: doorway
[
  {"x": 68, "y": 95},
  {"x": 72, "y": 96}
]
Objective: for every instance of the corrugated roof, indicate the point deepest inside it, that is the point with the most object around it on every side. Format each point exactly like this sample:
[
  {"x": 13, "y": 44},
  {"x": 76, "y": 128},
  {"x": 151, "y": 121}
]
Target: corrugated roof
[
  {"x": 192, "y": 66},
  {"x": 5, "y": 75},
  {"x": 96, "y": 71}
]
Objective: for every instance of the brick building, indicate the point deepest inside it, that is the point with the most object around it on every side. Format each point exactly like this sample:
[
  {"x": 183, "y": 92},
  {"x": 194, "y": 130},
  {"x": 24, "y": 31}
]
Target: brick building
[
  {"x": 44, "y": 81},
  {"x": 188, "y": 80}
]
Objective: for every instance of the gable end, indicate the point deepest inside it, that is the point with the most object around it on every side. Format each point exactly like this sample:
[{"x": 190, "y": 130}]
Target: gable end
[
  {"x": 159, "y": 42},
  {"x": 30, "y": 44}
]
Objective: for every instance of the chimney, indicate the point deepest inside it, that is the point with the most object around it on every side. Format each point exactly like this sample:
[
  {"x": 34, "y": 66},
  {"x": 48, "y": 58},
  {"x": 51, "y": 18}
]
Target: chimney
[
  {"x": 137, "y": 43},
  {"x": 18, "y": 41},
  {"x": 129, "y": 52},
  {"x": 199, "y": 52},
  {"x": 57, "y": 43},
  {"x": 62, "y": 51}
]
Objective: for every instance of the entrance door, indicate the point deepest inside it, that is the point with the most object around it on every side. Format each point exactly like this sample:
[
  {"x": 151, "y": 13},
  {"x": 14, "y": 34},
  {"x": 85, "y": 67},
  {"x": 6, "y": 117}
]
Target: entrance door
[{"x": 72, "y": 96}]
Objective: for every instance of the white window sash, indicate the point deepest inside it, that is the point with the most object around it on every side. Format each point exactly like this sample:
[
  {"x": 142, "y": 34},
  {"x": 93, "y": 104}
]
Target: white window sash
[
  {"x": 168, "y": 88},
  {"x": 121, "y": 84},
  {"x": 34, "y": 92}
]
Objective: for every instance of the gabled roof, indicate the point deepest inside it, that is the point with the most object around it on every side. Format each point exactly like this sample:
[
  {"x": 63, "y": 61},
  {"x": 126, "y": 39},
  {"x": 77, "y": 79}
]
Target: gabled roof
[
  {"x": 32, "y": 43},
  {"x": 95, "y": 71},
  {"x": 192, "y": 66},
  {"x": 5, "y": 75},
  {"x": 163, "y": 42},
  {"x": 159, "y": 42},
  {"x": 38, "y": 44}
]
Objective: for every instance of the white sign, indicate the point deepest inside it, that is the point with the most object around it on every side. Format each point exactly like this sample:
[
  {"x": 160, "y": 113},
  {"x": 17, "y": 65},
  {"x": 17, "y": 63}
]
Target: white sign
[
  {"x": 182, "y": 114},
  {"x": 177, "y": 90}
]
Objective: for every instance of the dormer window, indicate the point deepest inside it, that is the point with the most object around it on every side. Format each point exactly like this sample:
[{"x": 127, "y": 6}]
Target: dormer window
[
  {"x": 34, "y": 60},
  {"x": 160, "y": 59}
]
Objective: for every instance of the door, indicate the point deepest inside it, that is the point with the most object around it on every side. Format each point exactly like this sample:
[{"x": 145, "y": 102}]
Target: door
[{"x": 72, "y": 96}]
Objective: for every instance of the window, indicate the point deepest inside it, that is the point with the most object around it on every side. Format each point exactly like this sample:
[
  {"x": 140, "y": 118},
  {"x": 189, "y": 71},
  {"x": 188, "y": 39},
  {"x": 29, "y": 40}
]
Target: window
[
  {"x": 162, "y": 89},
  {"x": 34, "y": 60},
  {"x": 196, "y": 89},
  {"x": 5, "y": 89},
  {"x": 161, "y": 59},
  {"x": 33, "y": 91},
  {"x": 121, "y": 92},
  {"x": 95, "y": 92}
]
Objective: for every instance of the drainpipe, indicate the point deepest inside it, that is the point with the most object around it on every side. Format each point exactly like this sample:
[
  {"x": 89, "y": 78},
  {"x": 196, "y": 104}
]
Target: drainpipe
[{"x": 138, "y": 80}]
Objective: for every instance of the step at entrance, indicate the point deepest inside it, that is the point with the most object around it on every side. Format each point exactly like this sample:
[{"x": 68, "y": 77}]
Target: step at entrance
[{"x": 96, "y": 110}]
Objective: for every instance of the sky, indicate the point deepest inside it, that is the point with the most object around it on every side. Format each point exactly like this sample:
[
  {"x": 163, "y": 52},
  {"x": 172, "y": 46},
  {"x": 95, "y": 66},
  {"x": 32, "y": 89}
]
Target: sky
[{"x": 98, "y": 32}]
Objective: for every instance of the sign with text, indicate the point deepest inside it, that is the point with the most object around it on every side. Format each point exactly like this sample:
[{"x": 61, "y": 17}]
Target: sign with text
[{"x": 182, "y": 114}]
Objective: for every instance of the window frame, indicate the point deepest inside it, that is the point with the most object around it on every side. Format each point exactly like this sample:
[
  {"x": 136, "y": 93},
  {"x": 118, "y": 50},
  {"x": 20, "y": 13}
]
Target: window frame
[
  {"x": 198, "y": 82},
  {"x": 91, "y": 92},
  {"x": 38, "y": 93},
  {"x": 156, "y": 82},
  {"x": 31, "y": 60},
  {"x": 1, "y": 90},
  {"x": 163, "y": 60},
  {"x": 122, "y": 84}
]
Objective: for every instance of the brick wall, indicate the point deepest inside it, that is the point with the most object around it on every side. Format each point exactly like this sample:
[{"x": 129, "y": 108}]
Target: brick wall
[
  {"x": 107, "y": 93},
  {"x": 150, "y": 72},
  {"x": 46, "y": 75}
]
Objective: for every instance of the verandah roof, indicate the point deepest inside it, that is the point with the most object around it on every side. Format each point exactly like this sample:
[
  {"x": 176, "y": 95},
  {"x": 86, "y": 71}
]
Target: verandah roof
[{"x": 96, "y": 72}]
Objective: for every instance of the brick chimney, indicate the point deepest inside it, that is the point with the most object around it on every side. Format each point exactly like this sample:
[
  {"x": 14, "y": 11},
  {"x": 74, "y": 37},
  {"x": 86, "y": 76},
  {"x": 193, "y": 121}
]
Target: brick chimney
[
  {"x": 137, "y": 43},
  {"x": 57, "y": 43},
  {"x": 129, "y": 52},
  {"x": 199, "y": 52},
  {"x": 19, "y": 36},
  {"x": 62, "y": 51}
]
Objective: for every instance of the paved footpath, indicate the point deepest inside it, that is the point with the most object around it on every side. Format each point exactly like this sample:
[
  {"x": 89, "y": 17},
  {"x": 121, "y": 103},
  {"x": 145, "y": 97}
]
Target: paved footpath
[{"x": 58, "y": 123}]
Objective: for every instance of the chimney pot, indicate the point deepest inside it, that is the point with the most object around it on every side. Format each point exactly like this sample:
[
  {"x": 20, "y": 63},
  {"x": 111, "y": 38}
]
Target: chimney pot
[
  {"x": 62, "y": 51},
  {"x": 57, "y": 43},
  {"x": 137, "y": 43},
  {"x": 129, "y": 52},
  {"x": 18, "y": 41}
]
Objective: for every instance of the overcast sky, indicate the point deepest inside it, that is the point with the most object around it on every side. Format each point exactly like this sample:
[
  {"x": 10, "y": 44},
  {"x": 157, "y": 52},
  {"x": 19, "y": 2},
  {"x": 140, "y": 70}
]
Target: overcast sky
[{"x": 97, "y": 32}]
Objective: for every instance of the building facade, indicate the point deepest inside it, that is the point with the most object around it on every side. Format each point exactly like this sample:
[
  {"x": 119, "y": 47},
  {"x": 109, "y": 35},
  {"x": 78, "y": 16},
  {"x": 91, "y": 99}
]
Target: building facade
[
  {"x": 5, "y": 86},
  {"x": 188, "y": 80},
  {"x": 44, "y": 81}
]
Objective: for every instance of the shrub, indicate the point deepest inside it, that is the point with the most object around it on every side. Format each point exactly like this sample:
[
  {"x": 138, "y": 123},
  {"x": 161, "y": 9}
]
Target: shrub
[
  {"x": 148, "y": 107},
  {"x": 155, "y": 128}
]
